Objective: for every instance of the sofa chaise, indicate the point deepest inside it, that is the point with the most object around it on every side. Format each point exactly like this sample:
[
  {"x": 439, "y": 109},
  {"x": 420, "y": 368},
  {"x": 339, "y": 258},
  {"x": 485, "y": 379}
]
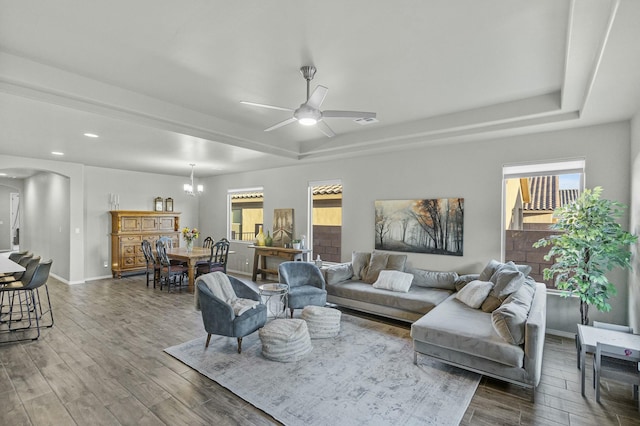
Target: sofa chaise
[{"x": 492, "y": 323}]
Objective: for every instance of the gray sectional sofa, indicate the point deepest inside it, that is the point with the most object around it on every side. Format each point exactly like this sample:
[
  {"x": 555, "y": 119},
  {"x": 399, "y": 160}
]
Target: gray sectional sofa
[{"x": 503, "y": 337}]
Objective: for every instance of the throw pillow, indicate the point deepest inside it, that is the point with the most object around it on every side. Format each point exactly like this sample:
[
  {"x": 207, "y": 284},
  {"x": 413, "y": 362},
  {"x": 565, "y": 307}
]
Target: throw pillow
[
  {"x": 433, "y": 279},
  {"x": 396, "y": 262},
  {"x": 509, "y": 320},
  {"x": 506, "y": 279},
  {"x": 359, "y": 262},
  {"x": 339, "y": 273},
  {"x": 394, "y": 281},
  {"x": 474, "y": 293},
  {"x": 377, "y": 263},
  {"x": 464, "y": 280},
  {"x": 493, "y": 265}
]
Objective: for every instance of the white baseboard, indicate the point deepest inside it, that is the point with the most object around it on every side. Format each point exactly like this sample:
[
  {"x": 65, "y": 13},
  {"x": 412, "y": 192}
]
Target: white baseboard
[{"x": 561, "y": 333}]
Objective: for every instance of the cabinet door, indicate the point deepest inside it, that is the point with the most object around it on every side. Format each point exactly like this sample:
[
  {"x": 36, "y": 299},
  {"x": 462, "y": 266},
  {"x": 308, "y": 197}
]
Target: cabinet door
[
  {"x": 149, "y": 224},
  {"x": 166, "y": 224},
  {"x": 129, "y": 224}
]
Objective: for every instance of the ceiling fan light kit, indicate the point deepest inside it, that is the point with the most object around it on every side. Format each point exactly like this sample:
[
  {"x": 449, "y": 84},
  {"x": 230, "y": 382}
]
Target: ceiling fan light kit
[{"x": 309, "y": 113}]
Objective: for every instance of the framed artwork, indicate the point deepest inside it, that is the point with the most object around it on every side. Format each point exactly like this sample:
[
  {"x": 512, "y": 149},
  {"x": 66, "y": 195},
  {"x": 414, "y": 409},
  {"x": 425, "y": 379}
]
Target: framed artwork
[
  {"x": 282, "y": 227},
  {"x": 158, "y": 204},
  {"x": 168, "y": 204},
  {"x": 420, "y": 226}
]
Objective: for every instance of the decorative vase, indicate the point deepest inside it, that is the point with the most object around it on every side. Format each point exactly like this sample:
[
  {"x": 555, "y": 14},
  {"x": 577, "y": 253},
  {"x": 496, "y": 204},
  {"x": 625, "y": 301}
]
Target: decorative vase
[
  {"x": 268, "y": 241},
  {"x": 260, "y": 240},
  {"x": 189, "y": 246}
]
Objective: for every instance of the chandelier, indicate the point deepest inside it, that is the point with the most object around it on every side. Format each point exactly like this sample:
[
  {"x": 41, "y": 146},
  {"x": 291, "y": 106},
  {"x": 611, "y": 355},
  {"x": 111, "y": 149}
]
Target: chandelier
[{"x": 189, "y": 188}]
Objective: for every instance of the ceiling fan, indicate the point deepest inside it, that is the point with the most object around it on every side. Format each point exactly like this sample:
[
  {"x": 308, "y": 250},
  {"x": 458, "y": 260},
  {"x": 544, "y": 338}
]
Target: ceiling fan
[{"x": 309, "y": 113}]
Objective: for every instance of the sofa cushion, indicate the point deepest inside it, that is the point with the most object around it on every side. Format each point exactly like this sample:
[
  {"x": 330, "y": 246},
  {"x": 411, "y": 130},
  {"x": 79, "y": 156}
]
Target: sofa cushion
[
  {"x": 474, "y": 293},
  {"x": 464, "y": 280},
  {"x": 506, "y": 279},
  {"x": 359, "y": 262},
  {"x": 338, "y": 273},
  {"x": 509, "y": 319},
  {"x": 419, "y": 299},
  {"x": 377, "y": 263},
  {"x": 394, "y": 281},
  {"x": 435, "y": 279},
  {"x": 456, "y": 326}
]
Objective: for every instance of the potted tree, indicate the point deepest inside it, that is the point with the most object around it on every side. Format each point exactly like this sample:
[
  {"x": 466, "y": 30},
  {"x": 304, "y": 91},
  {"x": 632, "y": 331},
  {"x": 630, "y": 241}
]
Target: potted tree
[{"x": 590, "y": 243}]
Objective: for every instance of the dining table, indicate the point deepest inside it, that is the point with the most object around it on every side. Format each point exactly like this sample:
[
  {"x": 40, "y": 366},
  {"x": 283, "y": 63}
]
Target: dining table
[
  {"x": 590, "y": 336},
  {"x": 8, "y": 266},
  {"x": 191, "y": 258}
]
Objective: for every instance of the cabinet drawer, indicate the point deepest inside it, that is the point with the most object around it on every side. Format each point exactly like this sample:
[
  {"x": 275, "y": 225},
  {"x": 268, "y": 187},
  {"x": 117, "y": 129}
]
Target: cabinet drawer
[
  {"x": 131, "y": 238},
  {"x": 129, "y": 262},
  {"x": 130, "y": 250}
]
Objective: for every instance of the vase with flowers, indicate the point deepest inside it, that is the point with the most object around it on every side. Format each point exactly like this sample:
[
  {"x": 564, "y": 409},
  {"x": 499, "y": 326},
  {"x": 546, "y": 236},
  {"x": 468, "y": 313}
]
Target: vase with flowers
[{"x": 189, "y": 235}]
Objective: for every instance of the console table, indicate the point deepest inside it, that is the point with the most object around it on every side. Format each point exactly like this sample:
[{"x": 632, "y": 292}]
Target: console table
[{"x": 262, "y": 252}]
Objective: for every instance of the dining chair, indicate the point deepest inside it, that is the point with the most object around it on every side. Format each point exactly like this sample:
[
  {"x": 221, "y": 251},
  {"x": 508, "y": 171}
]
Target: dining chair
[
  {"x": 170, "y": 273},
  {"x": 619, "y": 364},
  {"x": 30, "y": 269},
  {"x": 206, "y": 244},
  {"x": 217, "y": 260},
  {"x": 153, "y": 266},
  {"x": 168, "y": 243},
  {"x": 16, "y": 276},
  {"x": 33, "y": 303}
]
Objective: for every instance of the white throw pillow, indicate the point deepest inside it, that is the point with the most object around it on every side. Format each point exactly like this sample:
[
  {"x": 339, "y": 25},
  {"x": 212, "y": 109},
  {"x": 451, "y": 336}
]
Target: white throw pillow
[
  {"x": 394, "y": 281},
  {"x": 474, "y": 293}
]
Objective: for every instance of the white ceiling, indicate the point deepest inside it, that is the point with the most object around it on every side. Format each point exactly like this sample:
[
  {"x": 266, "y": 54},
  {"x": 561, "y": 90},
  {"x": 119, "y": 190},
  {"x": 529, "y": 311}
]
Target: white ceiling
[{"x": 161, "y": 80}]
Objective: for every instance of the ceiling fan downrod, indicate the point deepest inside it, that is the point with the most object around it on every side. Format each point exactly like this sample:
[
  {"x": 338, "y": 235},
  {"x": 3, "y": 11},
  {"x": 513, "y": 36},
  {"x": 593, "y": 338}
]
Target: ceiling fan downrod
[{"x": 308, "y": 72}]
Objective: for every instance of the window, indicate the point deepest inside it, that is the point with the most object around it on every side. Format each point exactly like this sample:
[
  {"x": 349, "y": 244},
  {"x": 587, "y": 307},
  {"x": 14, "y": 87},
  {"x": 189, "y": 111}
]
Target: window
[
  {"x": 325, "y": 207},
  {"x": 245, "y": 213},
  {"x": 531, "y": 193}
]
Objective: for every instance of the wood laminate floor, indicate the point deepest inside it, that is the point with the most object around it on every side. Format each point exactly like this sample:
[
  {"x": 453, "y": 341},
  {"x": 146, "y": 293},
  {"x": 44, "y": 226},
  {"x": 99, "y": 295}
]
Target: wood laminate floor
[{"x": 103, "y": 363}]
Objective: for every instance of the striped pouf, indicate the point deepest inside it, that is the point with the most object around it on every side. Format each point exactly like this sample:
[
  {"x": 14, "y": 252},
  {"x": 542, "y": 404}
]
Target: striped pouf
[
  {"x": 322, "y": 322},
  {"x": 285, "y": 340}
]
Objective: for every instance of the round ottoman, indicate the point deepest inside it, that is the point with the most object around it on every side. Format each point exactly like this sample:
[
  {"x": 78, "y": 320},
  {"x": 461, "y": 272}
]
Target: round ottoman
[
  {"x": 285, "y": 340},
  {"x": 322, "y": 322}
]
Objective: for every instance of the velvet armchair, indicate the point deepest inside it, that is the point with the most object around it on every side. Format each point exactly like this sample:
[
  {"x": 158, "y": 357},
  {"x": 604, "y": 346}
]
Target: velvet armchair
[
  {"x": 306, "y": 284},
  {"x": 218, "y": 315}
]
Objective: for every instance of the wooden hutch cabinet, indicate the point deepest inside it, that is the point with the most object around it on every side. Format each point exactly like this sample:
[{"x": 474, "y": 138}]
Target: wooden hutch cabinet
[{"x": 130, "y": 228}]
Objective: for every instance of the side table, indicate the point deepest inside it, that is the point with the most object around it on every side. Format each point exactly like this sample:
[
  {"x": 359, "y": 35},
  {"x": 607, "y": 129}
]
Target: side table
[{"x": 274, "y": 296}]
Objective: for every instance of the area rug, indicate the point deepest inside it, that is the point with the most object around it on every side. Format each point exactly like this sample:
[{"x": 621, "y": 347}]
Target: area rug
[{"x": 365, "y": 376}]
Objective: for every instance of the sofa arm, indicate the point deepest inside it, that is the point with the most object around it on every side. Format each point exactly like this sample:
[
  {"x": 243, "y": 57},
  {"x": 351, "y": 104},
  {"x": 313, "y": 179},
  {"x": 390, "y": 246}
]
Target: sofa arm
[
  {"x": 535, "y": 334},
  {"x": 338, "y": 273}
]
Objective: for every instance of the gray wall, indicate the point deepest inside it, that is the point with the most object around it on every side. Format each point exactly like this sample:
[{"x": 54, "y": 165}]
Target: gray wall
[
  {"x": 137, "y": 191},
  {"x": 46, "y": 226},
  {"x": 471, "y": 170},
  {"x": 634, "y": 275},
  {"x": 5, "y": 217}
]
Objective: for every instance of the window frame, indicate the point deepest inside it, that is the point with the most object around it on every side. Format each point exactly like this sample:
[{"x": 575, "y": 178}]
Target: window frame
[{"x": 230, "y": 194}]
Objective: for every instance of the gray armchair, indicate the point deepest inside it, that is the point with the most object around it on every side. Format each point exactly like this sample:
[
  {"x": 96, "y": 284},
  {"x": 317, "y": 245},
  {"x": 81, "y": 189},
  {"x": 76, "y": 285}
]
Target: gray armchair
[
  {"x": 218, "y": 316},
  {"x": 306, "y": 284}
]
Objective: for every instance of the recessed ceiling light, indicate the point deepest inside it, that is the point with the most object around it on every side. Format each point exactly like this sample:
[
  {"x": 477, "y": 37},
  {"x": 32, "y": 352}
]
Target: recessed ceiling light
[
  {"x": 91, "y": 135},
  {"x": 3, "y": 174},
  {"x": 57, "y": 153}
]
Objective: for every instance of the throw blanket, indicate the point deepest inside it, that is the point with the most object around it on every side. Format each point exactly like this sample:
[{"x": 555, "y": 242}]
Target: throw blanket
[{"x": 220, "y": 286}]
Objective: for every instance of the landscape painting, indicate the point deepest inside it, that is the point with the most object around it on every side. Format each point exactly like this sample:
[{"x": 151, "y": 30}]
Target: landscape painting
[
  {"x": 282, "y": 227},
  {"x": 421, "y": 226}
]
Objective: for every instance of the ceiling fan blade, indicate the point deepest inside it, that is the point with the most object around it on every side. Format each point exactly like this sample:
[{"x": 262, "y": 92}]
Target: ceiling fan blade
[
  {"x": 348, "y": 114},
  {"x": 316, "y": 98},
  {"x": 282, "y": 123},
  {"x": 324, "y": 128},
  {"x": 266, "y": 106}
]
